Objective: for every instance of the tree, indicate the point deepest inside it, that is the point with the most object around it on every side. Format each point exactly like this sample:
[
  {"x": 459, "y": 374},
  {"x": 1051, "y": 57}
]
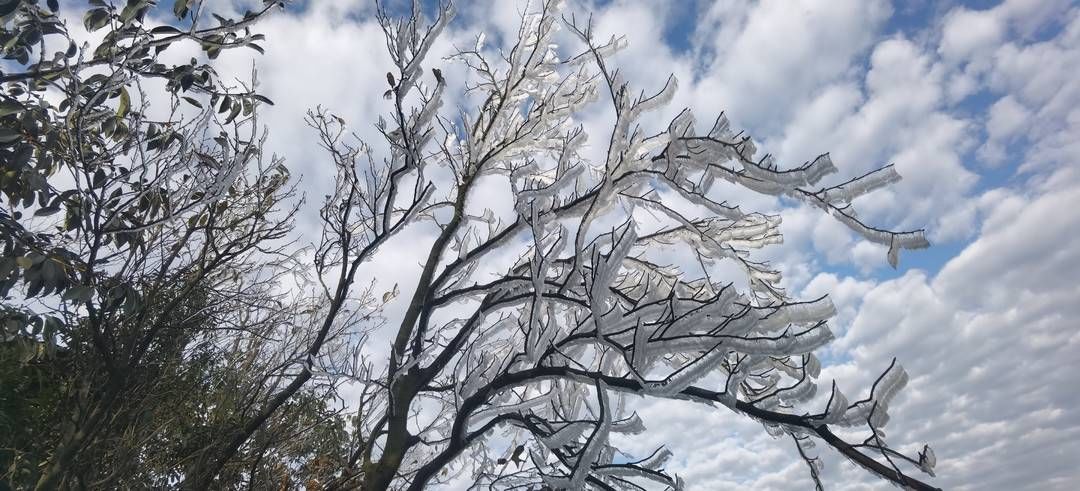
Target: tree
[
  {"x": 543, "y": 352},
  {"x": 146, "y": 339}
]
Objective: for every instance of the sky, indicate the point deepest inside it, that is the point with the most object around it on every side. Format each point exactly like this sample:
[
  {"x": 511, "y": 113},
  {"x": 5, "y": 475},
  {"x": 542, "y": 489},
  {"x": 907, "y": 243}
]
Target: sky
[{"x": 978, "y": 106}]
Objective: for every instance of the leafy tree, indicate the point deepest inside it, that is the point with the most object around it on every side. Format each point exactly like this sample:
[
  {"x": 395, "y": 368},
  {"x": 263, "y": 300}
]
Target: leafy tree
[
  {"x": 144, "y": 236},
  {"x": 31, "y": 388}
]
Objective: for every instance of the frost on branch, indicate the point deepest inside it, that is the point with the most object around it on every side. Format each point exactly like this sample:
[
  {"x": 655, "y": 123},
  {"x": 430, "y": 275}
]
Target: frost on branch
[{"x": 529, "y": 365}]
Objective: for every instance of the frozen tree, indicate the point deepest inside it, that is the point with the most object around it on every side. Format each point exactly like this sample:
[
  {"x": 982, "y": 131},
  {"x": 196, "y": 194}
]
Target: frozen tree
[{"x": 518, "y": 379}]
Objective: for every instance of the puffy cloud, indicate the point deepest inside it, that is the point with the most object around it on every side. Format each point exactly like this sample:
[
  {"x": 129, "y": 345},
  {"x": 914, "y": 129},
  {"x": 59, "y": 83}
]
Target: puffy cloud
[
  {"x": 968, "y": 32},
  {"x": 990, "y": 345},
  {"x": 1025, "y": 250},
  {"x": 1006, "y": 51},
  {"x": 1040, "y": 77},
  {"x": 316, "y": 57},
  {"x": 971, "y": 36},
  {"x": 1007, "y": 117},
  {"x": 763, "y": 61},
  {"x": 845, "y": 292}
]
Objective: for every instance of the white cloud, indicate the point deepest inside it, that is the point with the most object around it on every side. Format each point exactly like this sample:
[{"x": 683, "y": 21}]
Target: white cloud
[
  {"x": 1007, "y": 118},
  {"x": 766, "y": 60},
  {"x": 315, "y": 58},
  {"x": 969, "y": 32},
  {"x": 1023, "y": 251},
  {"x": 990, "y": 345},
  {"x": 994, "y": 50},
  {"x": 845, "y": 292},
  {"x": 1041, "y": 77}
]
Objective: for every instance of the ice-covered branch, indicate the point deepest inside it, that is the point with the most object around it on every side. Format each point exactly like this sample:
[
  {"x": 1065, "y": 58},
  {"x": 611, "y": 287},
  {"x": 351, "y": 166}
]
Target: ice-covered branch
[{"x": 592, "y": 306}]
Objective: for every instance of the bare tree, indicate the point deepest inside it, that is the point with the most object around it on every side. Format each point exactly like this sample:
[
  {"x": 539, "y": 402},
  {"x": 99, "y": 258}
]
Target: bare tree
[{"x": 544, "y": 352}]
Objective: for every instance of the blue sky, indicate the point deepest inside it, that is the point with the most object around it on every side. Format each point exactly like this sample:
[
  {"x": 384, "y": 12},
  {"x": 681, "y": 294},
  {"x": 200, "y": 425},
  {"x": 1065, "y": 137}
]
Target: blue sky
[{"x": 977, "y": 104}]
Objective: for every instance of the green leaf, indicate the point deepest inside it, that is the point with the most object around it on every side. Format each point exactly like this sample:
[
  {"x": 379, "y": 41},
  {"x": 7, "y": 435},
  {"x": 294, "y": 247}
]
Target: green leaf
[
  {"x": 11, "y": 43},
  {"x": 165, "y": 30},
  {"x": 186, "y": 80},
  {"x": 80, "y": 293},
  {"x": 8, "y": 135},
  {"x": 125, "y": 103},
  {"x": 129, "y": 12},
  {"x": 46, "y": 211},
  {"x": 236, "y": 108},
  {"x": 262, "y": 99},
  {"x": 193, "y": 101},
  {"x": 7, "y": 265},
  {"x": 95, "y": 19},
  {"x": 22, "y": 156},
  {"x": 180, "y": 8},
  {"x": 10, "y": 107},
  {"x": 8, "y": 7},
  {"x": 99, "y": 178}
]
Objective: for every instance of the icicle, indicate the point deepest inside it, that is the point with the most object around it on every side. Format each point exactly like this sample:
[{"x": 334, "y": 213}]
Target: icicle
[
  {"x": 774, "y": 430},
  {"x": 411, "y": 72},
  {"x": 927, "y": 460},
  {"x": 836, "y": 407},
  {"x": 630, "y": 426},
  {"x": 876, "y": 408},
  {"x": 784, "y": 345},
  {"x": 596, "y": 443},
  {"x": 614, "y": 45},
  {"x": 859, "y": 186},
  {"x": 660, "y": 99},
  {"x": 796, "y": 313},
  {"x": 806, "y": 175},
  {"x": 802, "y": 391},
  {"x": 812, "y": 365},
  {"x": 640, "y": 356},
  {"x": 689, "y": 374},
  {"x": 721, "y": 129}
]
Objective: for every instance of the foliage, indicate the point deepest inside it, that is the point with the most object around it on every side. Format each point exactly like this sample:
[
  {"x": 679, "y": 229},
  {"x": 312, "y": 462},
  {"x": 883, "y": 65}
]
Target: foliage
[{"x": 143, "y": 235}]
